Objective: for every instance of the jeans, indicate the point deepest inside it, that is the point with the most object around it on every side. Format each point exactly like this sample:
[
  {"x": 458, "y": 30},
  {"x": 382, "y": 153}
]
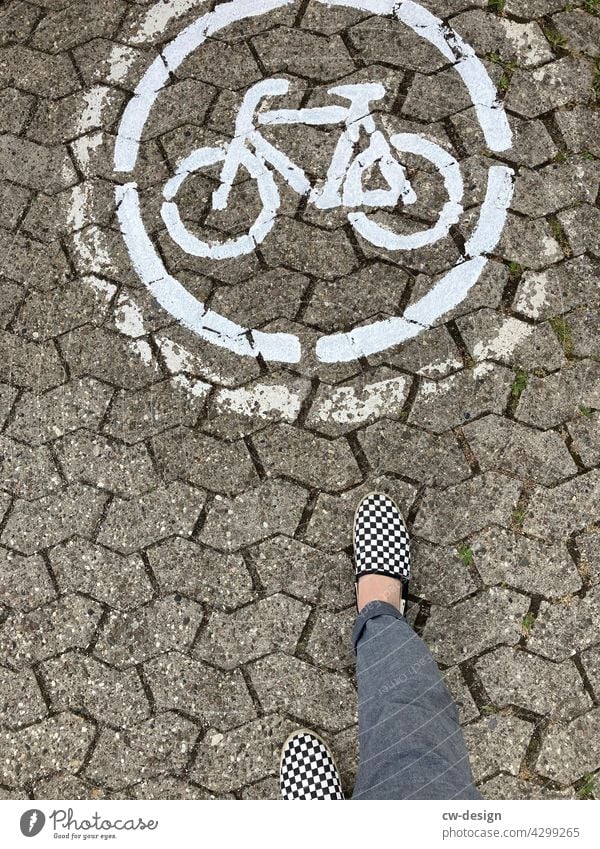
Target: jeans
[{"x": 411, "y": 744}]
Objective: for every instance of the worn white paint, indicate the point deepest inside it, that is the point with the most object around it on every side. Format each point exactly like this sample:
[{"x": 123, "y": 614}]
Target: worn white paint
[
  {"x": 129, "y": 318},
  {"x": 533, "y": 294},
  {"x": 346, "y": 405},
  {"x": 260, "y": 399},
  {"x": 509, "y": 335}
]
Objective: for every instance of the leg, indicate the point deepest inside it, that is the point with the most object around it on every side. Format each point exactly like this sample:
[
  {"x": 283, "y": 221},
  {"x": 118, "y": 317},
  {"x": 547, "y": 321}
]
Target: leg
[{"x": 411, "y": 744}]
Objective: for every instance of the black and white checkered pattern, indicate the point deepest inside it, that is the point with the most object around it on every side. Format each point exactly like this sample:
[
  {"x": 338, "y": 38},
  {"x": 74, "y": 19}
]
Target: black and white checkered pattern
[
  {"x": 381, "y": 541},
  {"x": 308, "y": 770}
]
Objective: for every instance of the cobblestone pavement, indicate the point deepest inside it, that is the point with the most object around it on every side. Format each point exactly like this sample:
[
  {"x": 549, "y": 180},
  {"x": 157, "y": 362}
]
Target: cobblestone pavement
[{"x": 175, "y": 573}]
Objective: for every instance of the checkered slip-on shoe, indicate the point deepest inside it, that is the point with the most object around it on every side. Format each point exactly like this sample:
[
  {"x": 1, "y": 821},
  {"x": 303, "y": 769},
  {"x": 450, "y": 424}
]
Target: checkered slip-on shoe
[
  {"x": 307, "y": 769},
  {"x": 381, "y": 541}
]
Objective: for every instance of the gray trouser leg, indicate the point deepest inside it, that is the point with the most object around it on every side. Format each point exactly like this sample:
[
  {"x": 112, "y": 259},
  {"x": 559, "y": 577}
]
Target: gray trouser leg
[{"x": 411, "y": 744}]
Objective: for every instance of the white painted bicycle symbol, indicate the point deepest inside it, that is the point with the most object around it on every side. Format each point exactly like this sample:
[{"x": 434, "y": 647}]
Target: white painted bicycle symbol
[{"x": 343, "y": 186}]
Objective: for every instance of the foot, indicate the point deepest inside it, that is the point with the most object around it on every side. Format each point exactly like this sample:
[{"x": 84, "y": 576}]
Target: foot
[
  {"x": 381, "y": 552},
  {"x": 307, "y": 769}
]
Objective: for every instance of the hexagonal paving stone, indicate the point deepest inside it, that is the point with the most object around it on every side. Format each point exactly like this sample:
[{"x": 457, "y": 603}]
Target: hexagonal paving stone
[
  {"x": 559, "y": 83},
  {"x": 303, "y": 54},
  {"x": 21, "y": 702},
  {"x": 271, "y": 624},
  {"x": 491, "y": 335},
  {"x": 508, "y": 787},
  {"x": 588, "y": 545},
  {"x": 569, "y": 507},
  {"x": 330, "y": 643},
  {"x": 571, "y": 625},
  {"x": 491, "y": 618},
  {"x": 543, "y": 294},
  {"x": 571, "y": 750},
  {"x": 25, "y": 582},
  {"x": 431, "y": 98},
  {"x": 579, "y": 127},
  {"x": 438, "y": 573},
  {"x": 497, "y": 742},
  {"x": 549, "y": 401},
  {"x": 467, "y": 709}
]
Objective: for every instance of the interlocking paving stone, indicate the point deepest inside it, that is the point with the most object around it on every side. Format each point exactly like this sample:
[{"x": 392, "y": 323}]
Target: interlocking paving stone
[
  {"x": 31, "y": 164},
  {"x": 226, "y": 762},
  {"x": 21, "y": 702},
  {"x": 508, "y": 787},
  {"x": 583, "y": 328},
  {"x": 7, "y": 397},
  {"x": 265, "y": 297},
  {"x": 64, "y": 624},
  {"x": 497, "y": 742},
  {"x": 326, "y": 699},
  {"x": 549, "y": 401},
  {"x": 581, "y": 29},
  {"x": 590, "y": 556},
  {"x": 34, "y": 525},
  {"x": 467, "y": 709},
  {"x": 80, "y": 683},
  {"x": 271, "y": 624},
  {"x": 107, "y": 356},
  {"x": 581, "y": 227},
  {"x": 94, "y": 459},
  {"x": 532, "y": 143},
  {"x": 591, "y": 663},
  {"x": 450, "y": 515},
  {"x": 201, "y": 573},
  {"x": 76, "y": 24},
  {"x": 570, "y": 506},
  {"x": 60, "y": 742},
  {"x": 499, "y": 443},
  {"x": 65, "y": 786},
  {"x": 310, "y": 250},
  {"x": 493, "y": 617},
  {"x": 28, "y": 364},
  {"x": 579, "y": 127},
  {"x": 329, "y": 644},
  {"x": 159, "y": 745},
  {"x": 135, "y": 636},
  {"x": 543, "y": 294},
  {"x": 267, "y": 788},
  {"x": 585, "y": 432},
  {"x": 566, "y": 627},
  {"x": 25, "y": 582},
  {"x": 220, "y": 700},
  {"x": 431, "y": 98},
  {"x": 560, "y": 83},
  {"x": 514, "y": 677},
  {"x": 168, "y": 787},
  {"x": 309, "y": 459},
  {"x": 274, "y": 506},
  {"x": 556, "y": 186},
  {"x": 529, "y": 243},
  {"x": 27, "y": 472},
  {"x": 20, "y": 66},
  {"x": 285, "y": 564},
  {"x": 226, "y": 66},
  {"x": 303, "y": 54},
  {"x": 204, "y": 461},
  {"x": 440, "y": 405},
  {"x": 433, "y": 353},
  {"x": 382, "y": 40},
  {"x": 507, "y": 39},
  {"x": 501, "y": 556},
  {"x": 40, "y": 418},
  {"x": 571, "y": 750},
  {"x": 330, "y": 525},
  {"x": 47, "y": 314},
  {"x": 151, "y": 517},
  {"x": 392, "y": 447},
  {"x": 82, "y": 566},
  {"x": 438, "y": 573}
]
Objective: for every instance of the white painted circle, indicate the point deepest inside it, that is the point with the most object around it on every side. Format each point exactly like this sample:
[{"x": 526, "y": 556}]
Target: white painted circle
[{"x": 367, "y": 339}]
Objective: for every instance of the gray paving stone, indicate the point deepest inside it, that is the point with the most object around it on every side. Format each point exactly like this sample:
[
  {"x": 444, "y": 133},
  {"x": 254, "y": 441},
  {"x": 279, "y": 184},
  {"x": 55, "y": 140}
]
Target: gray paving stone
[
  {"x": 27, "y": 472},
  {"x": 40, "y": 418},
  {"x": 590, "y": 556},
  {"x": 47, "y": 314},
  {"x": 532, "y": 143},
  {"x": 203, "y": 574},
  {"x": 557, "y": 290},
  {"x": 18, "y": 20},
  {"x": 7, "y": 396},
  {"x": 515, "y": 677},
  {"x": 76, "y": 24},
  {"x": 500, "y": 443},
  {"x": 287, "y": 565},
  {"x": 62, "y": 785},
  {"x": 579, "y": 127},
  {"x": 591, "y": 663},
  {"x": 329, "y": 644},
  {"x": 11, "y": 296},
  {"x": 329, "y": 19},
  {"x": 558, "y": 185},
  {"x": 25, "y": 582},
  {"x": 381, "y": 39},
  {"x": 310, "y": 459},
  {"x": 153, "y": 516},
  {"x": 330, "y": 525},
  {"x": 80, "y": 683},
  {"x": 82, "y": 566},
  {"x": 226, "y": 762},
  {"x": 20, "y": 67},
  {"x": 572, "y": 750},
  {"x": 168, "y": 787},
  {"x": 556, "y": 513},
  {"x": 530, "y": 9},
  {"x": 432, "y": 353},
  {"x": 15, "y": 199},
  {"x": 510, "y": 40},
  {"x": 453, "y": 401},
  {"x": 581, "y": 227},
  {"x": 28, "y": 364},
  {"x": 549, "y": 401},
  {"x": 271, "y": 624},
  {"x": 58, "y": 743},
  {"x": 64, "y": 624},
  {"x": 47, "y": 169},
  {"x": 438, "y": 573},
  {"x": 561, "y": 83},
  {"x": 184, "y": 102},
  {"x": 529, "y": 243},
  {"x": 268, "y": 788},
  {"x": 392, "y": 447},
  {"x": 93, "y": 459},
  {"x": 34, "y": 525},
  {"x": 503, "y": 557},
  {"x": 432, "y": 98},
  {"x": 204, "y": 461},
  {"x": 273, "y": 507},
  {"x": 581, "y": 29},
  {"x": 508, "y": 787},
  {"x": 219, "y": 700},
  {"x": 107, "y": 356},
  {"x": 467, "y": 709},
  {"x": 562, "y": 629},
  {"x": 230, "y": 66},
  {"x": 310, "y": 250},
  {"x": 491, "y": 335},
  {"x": 360, "y": 401},
  {"x": 497, "y": 742},
  {"x": 265, "y": 297},
  {"x": 21, "y": 702},
  {"x": 5, "y": 501},
  {"x": 159, "y": 745},
  {"x": 130, "y": 637},
  {"x": 287, "y": 684},
  {"x": 303, "y": 54},
  {"x": 583, "y": 328},
  {"x": 493, "y": 617}
]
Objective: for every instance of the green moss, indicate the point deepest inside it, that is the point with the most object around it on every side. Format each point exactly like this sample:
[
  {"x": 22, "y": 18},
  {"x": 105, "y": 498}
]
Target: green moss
[
  {"x": 519, "y": 383},
  {"x": 563, "y": 333},
  {"x": 586, "y": 791},
  {"x": 528, "y": 621},
  {"x": 466, "y": 554},
  {"x": 518, "y": 517},
  {"x": 592, "y": 6},
  {"x": 555, "y": 38},
  {"x": 497, "y": 6}
]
